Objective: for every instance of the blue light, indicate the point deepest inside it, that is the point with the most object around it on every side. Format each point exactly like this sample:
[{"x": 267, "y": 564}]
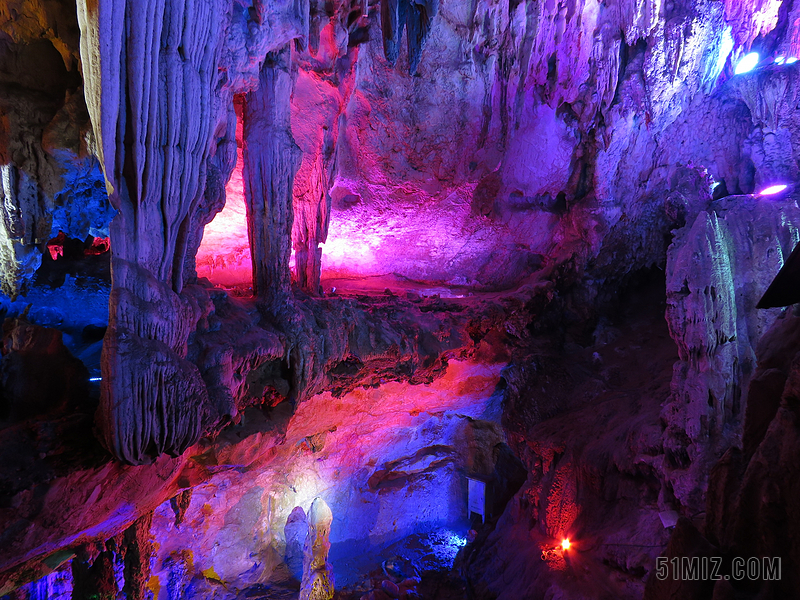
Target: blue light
[
  {"x": 95, "y": 378},
  {"x": 748, "y": 63},
  {"x": 779, "y": 60},
  {"x": 457, "y": 540},
  {"x": 791, "y": 60}
]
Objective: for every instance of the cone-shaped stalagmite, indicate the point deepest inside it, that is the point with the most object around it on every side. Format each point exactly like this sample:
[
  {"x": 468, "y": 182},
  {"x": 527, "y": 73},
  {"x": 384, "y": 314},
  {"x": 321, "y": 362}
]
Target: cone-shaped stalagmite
[{"x": 317, "y": 572}]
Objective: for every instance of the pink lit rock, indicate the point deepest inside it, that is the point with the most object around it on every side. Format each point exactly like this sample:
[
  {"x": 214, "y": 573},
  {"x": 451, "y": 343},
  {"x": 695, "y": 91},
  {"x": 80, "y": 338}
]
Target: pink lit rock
[
  {"x": 537, "y": 155},
  {"x": 224, "y": 254}
]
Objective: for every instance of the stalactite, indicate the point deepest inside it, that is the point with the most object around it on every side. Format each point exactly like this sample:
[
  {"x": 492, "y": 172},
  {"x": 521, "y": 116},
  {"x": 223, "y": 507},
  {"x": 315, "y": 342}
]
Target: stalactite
[
  {"x": 396, "y": 15},
  {"x": 271, "y": 159},
  {"x": 180, "y": 504},
  {"x": 323, "y": 87},
  {"x": 393, "y": 20},
  {"x": 420, "y": 18},
  {"x": 155, "y": 112},
  {"x": 23, "y": 224}
]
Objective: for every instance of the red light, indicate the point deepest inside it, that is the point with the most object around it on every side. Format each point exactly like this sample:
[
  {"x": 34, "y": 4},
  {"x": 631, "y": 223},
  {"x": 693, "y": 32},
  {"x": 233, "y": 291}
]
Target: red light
[{"x": 565, "y": 544}]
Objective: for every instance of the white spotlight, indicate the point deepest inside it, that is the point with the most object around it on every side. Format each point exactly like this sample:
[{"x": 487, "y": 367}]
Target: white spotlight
[
  {"x": 748, "y": 63},
  {"x": 773, "y": 189}
]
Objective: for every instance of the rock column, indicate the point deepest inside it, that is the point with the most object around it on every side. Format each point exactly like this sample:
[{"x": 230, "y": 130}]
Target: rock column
[{"x": 271, "y": 159}]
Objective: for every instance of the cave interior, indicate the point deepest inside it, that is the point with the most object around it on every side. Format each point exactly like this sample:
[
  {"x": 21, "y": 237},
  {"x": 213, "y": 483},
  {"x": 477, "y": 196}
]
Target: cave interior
[{"x": 399, "y": 299}]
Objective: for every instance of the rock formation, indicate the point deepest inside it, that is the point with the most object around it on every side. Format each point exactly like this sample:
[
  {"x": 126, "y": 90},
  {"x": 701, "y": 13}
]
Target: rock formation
[
  {"x": 521, "y": 241},
  {"x": 271, "y": 160},
  {"x": 317, "y": 581}
]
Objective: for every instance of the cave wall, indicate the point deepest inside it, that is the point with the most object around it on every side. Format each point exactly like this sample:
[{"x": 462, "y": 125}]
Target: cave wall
[
  {"x": 527, "y": 125},
  {"x": 50, "y": 178}
]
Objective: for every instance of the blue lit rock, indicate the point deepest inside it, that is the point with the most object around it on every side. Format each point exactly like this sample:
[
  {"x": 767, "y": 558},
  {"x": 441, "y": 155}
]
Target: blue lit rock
[{"x": 717, "y": 269}]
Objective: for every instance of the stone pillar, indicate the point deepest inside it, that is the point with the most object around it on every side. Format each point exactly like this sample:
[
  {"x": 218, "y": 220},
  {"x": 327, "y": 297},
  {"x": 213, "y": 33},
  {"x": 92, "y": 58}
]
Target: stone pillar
[
  {"x": 152, "y": 88},
  {"x": 271, "y": 159}
]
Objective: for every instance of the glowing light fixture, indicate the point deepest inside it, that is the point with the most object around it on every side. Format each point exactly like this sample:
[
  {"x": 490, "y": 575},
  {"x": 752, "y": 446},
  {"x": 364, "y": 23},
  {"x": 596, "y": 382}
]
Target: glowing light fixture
[
  {"x": 773, "y": 189},
  {"x": 748, "y": 63},
  {"x": 565, "y": 544},
  {"x": 791, "y": 60},
  {"x": 95, "y": 378},
  {"x": 779, "y": 60}
]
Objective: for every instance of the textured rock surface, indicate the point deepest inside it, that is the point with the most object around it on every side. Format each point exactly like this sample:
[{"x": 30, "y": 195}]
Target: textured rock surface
[
  {"x": 752, "y": 498},
  {"x": 718, "y": 266},
  {"x": 157, "y": 115},
  {"x": 389, "y": 461},
  {"x": 584, "y": 422},
  {"x": 414, "y": 346},
  {"x": 545, "y": 204},
  {"x": 271, "y": 159}
]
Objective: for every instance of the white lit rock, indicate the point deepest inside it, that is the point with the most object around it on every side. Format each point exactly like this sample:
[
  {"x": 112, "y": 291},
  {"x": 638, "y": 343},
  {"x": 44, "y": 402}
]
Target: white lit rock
[{"x": 317, "y": 571}]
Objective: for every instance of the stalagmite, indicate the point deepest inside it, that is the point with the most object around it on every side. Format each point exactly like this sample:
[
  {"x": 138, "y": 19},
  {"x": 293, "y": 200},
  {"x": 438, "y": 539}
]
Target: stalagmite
[{"x": 317, "y": 572}]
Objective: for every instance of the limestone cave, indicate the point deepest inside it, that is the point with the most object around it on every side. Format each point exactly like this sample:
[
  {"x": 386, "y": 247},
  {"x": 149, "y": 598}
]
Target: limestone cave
[{"x": 399, "y": 299}]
